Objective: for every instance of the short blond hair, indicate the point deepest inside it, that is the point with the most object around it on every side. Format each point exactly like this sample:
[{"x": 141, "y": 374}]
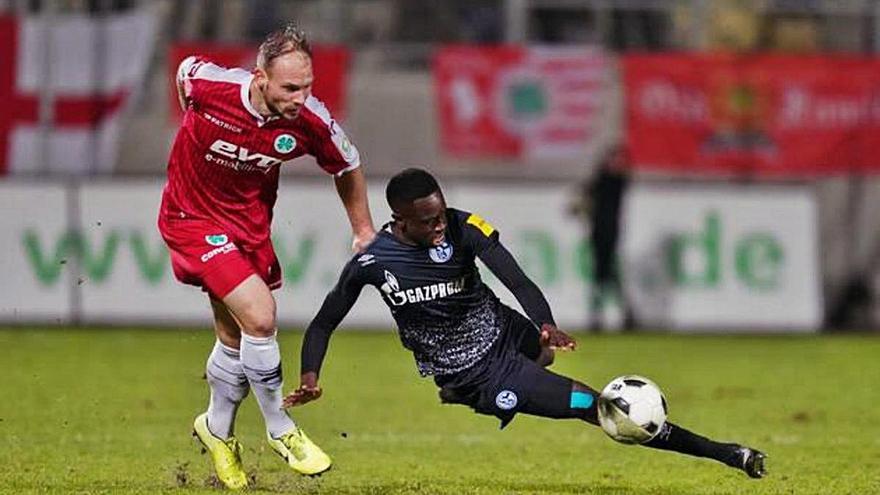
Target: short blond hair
[{"x": 285, "y": 40}]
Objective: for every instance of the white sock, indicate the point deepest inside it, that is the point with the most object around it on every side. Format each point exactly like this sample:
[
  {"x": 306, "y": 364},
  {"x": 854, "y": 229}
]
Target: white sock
[
  {"x": 229, "y": 386},
  {"x": 261, "y": 361}
]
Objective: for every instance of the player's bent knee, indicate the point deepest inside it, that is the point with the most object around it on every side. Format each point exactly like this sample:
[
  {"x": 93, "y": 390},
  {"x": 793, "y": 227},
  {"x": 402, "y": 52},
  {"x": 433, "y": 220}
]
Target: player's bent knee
[
  {"x": 253, "y": 306},
  {"x": 259, "y": 325}
]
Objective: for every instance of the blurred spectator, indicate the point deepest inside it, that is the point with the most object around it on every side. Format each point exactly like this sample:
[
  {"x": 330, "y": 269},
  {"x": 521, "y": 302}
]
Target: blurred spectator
[
  {"x": 601, "y": 202},
  {"x": 556, "y": 25},
  {"x": 734, "y": 25},
  {"x": 474, "y": 21},
  {"x": 793, "y": 34},
  {"x": 263, "y": 17},
  {"x": 638, "y": 30},
  {"x": 481, "y": 22}
]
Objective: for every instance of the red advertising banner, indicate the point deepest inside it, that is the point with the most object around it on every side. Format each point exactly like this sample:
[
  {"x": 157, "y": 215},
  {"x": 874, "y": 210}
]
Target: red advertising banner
[
  {"x": 518, "y": 102},
  {"x": 760, "y": 115},
  {"x": 330, "y": 66}
]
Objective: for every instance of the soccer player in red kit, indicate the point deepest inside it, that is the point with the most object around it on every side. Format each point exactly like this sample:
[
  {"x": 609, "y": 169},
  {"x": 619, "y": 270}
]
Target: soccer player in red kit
[{"x": 238, "y": 128}]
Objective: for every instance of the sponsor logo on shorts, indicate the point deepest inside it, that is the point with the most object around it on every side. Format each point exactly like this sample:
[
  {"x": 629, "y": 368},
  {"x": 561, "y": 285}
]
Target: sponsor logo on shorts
[
  {"x": 441, "y": 253},
  {"x": 506, "y": 400},
  {"x": 216, "y": 239},
  {"x": 226, "y": 248}
]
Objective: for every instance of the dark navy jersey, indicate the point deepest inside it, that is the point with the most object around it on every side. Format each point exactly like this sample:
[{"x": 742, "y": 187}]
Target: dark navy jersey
[{"x": 444, "y": 312}]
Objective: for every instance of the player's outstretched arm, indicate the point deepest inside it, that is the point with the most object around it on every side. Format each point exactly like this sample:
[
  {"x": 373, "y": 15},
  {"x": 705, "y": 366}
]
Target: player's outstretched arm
[
  {"x": 352, "y": 189},
  {"x": 336, "y": 306},
  {"x": 499, "y": 260}
]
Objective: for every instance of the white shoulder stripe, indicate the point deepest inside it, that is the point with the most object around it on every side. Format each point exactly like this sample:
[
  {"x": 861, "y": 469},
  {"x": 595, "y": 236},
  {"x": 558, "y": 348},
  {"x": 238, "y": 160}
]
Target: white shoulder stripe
[
  {"x": 318, "y": 108},
  {"x": 184, "y": 67},
  {"x": 216, "y": 73},
  {"x": 344, "y": 146},
  {"x": 212, "y": 72}
]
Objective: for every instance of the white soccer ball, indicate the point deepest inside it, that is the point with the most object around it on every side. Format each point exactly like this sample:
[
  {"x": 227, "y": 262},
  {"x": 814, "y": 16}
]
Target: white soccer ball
[{"x": 632, "y": 409}]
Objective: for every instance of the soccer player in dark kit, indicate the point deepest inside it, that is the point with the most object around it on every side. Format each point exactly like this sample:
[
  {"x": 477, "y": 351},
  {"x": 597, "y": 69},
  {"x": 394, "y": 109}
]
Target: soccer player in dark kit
[{"x": 480, "y": 352}]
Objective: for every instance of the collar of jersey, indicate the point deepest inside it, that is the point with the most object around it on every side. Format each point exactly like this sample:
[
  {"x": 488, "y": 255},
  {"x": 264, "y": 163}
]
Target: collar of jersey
[
  {"x": 386, "y": 230},
  {"x": 246, "y": 101}
]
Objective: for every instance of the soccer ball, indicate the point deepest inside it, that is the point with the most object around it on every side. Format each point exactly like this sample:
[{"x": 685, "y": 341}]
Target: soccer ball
[{"x": 632, "y": 409}]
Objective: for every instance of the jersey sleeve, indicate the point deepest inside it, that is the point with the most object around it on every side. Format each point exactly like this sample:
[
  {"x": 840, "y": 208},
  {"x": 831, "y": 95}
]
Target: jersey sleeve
[
  {"x": 485, "y": 242},
  {"x": 186, "y": 71},
  {"x": 192, "y": 74},
  {"x": 333, "y": 150},
  {"x": 477, "y": 234},
  {"x": 336, "y": 306}
]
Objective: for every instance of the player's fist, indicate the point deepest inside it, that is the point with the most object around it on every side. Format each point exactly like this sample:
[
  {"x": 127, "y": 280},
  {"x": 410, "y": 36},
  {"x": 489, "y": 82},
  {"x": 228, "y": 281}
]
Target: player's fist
[{"x": 555, "y": 338}]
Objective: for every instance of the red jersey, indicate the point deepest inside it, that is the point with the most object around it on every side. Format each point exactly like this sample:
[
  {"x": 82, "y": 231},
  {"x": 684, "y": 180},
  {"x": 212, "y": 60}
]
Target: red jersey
[{"x": 225, "y": 161}]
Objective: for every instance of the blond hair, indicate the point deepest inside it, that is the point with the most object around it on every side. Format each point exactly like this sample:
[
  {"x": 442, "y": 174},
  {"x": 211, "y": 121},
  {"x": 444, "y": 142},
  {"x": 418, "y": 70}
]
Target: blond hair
[{"x": 285, "y": 40}]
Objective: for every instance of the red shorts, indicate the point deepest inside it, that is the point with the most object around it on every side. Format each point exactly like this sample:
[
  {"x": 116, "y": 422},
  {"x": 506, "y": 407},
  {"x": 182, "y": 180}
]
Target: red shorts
[{"x": 204, "y": 255}]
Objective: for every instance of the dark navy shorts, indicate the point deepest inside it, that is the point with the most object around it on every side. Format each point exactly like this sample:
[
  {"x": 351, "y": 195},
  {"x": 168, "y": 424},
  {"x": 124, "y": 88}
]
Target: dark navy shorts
[{"x": 507, "y": 380}]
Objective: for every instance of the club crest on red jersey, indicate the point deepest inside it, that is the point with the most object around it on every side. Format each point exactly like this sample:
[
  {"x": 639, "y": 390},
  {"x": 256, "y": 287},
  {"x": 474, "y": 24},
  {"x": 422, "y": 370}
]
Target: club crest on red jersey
[{"x": 285, "y": 143}]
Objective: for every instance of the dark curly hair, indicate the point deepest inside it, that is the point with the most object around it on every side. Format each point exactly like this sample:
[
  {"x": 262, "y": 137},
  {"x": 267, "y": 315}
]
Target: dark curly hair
[{"x": 408, "y": 186}]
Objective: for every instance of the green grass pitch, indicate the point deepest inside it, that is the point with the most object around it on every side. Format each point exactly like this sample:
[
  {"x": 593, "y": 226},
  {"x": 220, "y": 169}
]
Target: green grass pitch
[{"x": 110, "y": 411}]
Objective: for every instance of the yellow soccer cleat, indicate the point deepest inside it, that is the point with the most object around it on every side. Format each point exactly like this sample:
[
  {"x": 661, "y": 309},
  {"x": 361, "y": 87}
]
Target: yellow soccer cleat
[
  {"x": 225, "y": 453},
  {"x": 301, "y": 454}
]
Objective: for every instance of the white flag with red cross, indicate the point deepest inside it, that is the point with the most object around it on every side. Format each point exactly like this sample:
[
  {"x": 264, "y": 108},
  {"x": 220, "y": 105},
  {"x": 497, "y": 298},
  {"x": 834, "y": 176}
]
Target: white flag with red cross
[{"x": 65, "y": 83}]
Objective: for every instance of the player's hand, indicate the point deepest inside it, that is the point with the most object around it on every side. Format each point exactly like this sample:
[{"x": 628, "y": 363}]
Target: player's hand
[
  {"x": 556, "y": 339},
  {"x": 302, "y": 395},
  {"x": 362, "y": 240},
  {"x": 307, "y": 391}
]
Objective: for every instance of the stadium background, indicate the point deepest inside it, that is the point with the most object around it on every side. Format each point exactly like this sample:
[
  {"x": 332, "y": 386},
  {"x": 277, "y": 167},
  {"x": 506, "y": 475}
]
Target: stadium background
[{"x": 480, "y": 93}]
